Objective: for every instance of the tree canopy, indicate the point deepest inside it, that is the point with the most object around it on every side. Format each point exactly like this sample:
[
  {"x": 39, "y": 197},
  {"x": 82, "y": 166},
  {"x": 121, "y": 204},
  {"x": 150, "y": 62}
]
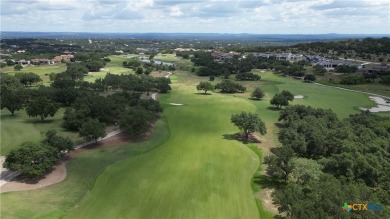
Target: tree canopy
[
  {"x": 228, "y": 86},
  {"x": 205, "y": 86},
  {"x": 12, "y": 94},
  {"x": 92, "y": 130},
  {"x": 282, "y": 99},
  {"x": 28, "y": 79},
  {"x": 248, "y": 123},
  {"x": 41, "y": 106},
  {"x": 31, "y": 159},
  {"x": 257, "y": 93},
  {"x": 326, "y": 160}
]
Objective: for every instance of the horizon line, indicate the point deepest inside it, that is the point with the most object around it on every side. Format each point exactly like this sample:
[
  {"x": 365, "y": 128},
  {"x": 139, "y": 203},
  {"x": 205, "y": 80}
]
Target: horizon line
[{"x": 21, "y": 31}]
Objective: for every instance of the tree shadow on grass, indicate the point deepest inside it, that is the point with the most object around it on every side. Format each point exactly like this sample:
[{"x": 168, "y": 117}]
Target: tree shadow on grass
[
  {"x": 274, "y": 108},
  {"x": 255, "y": 99},
  {"x": 279, "y": 125},
  {"x": 241, "y": 137},
  {"x": 38, "y": 121},
  {"x": 266, "y": 182},
  {"x": 203, "y": 94},
  {"x": 28, "y": 179}
]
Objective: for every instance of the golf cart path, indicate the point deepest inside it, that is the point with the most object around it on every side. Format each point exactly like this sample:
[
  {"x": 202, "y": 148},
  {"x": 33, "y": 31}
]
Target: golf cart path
[
  {"x": 59, "y": 171},
  {"x": 363, "y": 92},
  {"x": 57, "y": 175}
]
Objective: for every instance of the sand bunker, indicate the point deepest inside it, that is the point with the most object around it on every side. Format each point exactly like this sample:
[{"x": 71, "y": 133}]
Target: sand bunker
[
  {"x": 176, "y": 104},
  {"x": 382, "y": 106},
  {"x": 298, "y": 97}
]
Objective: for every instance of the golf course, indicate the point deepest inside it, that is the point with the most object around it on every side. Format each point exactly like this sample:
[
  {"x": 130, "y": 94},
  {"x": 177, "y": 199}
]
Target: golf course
[{"x": 190, "y": 165}]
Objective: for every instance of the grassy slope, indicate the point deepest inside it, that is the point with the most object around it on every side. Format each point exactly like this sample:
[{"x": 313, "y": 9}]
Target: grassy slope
[
  {"x": 194, "y": 169},
  {"x": 197, "y": 173},
  {"x": 376, "y": 88},
  {"x": 41, "y": 70},
  {"x": 21, "y": 128},
  {"x": 114, "y": 67},
  {"x": 54, "y": 201}
]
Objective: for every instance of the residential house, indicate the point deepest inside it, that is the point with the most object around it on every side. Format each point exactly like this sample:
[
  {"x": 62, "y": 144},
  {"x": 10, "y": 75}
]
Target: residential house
[
  {"x": 222, "y": 57},
  {"x": 42, "y": 61},
  {"x": 262, "y": 55},
  {"x": 374, "y": 68},
  {"x": 331, "y": 64},
  {"x": 283, "y": 56},
  {"x": 23, "y": 62},
  {"x": 67, "y": 58},
  {"x": 296, "y": 58}
]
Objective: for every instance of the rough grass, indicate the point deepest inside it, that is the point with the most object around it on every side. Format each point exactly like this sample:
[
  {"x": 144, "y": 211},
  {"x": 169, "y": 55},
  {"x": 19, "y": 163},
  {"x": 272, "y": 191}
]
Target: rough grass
[
  {"x": 198, "y": 171},
  {"x": 184, "y": 64},
  {"x": 56, "y": 200},
  {"x": 20, "y": 128},
  {"x": 113, "y": 67},
  {"x": 42, "y": 70}
]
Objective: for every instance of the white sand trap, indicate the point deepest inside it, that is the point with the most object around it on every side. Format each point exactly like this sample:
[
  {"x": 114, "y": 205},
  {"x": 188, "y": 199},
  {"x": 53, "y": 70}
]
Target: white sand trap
[
  {"x": 382, "y": 106},
  {"x": 176, "y": 104},
  {"x": 298, "y": 97}
]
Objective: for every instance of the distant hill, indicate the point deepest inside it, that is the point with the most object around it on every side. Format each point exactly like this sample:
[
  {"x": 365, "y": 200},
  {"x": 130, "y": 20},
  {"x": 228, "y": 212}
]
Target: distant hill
[{"x": 201, "y": 36}]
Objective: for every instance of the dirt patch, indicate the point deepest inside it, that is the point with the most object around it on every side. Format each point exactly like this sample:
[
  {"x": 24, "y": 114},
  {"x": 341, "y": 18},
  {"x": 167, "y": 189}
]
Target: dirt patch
[
  {"x": 158, "y": 73},
  {"x": 59, "y": 171},
  {"x": 57, "y": 175},
  {"x": 265, "y": 196}
]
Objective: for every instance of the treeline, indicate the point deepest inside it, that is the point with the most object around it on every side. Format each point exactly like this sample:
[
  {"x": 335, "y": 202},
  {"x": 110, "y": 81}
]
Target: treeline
[
  {"x": 35, "y": 159},
  {"x": 92, "y": 61},
  {"x": 361, "y": 47},
  {"x": 88, "y": 110},
  {"x": 242, "y": 67},
  {"x": 324, "y": 162},
  {"x": 140, "y": 67}
]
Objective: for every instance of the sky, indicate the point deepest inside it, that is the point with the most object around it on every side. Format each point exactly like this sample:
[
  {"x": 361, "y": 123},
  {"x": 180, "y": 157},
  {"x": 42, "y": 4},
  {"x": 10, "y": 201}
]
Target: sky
[{"x": 198, "y": 16}]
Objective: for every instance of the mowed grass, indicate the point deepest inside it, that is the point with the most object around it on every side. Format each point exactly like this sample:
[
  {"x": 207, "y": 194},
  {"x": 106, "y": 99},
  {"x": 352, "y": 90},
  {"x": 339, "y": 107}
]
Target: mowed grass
[
  {"x": 376, "y": 88},
  {"x": 21, "y": 128},
  {"x": 42, "y": 70},
  {"x": 200, "y": 172},
  {"x": 56, "y": 200},
  {"x": 113, "y": 67},
  {"x": 184, "y": 64}
]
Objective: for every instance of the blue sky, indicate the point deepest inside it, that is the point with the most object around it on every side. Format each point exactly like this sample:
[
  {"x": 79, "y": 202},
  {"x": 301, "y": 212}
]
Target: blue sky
[{"x": 198, "y": 16}]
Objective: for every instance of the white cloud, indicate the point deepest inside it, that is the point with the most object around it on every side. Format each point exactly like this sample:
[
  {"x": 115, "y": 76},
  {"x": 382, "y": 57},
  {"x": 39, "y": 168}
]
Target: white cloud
[
  {"x": 175, "y": 11},
  {"x": 250, "y": 16},
  {"x": 139, "y": 5}
]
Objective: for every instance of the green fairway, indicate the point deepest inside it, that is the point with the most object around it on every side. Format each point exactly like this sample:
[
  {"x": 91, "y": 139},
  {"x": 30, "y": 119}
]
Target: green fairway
[
  {"x": 376, "y": 88},
  {"x": 343, "y": 103},
  {"x": 20, "y": 128},
  {"x": 199, "y": 172},
  {"x": 82, "y": 170},
  {"x": 113, "y": 67},
  {"x": 42, "y": 70},
  {"x": 184, "y": 64},
  {"x": 197, "y": 169}
]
